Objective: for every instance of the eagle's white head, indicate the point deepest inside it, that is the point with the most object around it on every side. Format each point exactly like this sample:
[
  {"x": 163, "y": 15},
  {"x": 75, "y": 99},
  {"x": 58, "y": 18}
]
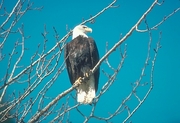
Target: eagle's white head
[{"x": 81, "y": 30}]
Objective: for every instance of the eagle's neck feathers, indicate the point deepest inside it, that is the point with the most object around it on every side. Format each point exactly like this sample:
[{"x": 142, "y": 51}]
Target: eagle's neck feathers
[{"x": 77, "y": 33}]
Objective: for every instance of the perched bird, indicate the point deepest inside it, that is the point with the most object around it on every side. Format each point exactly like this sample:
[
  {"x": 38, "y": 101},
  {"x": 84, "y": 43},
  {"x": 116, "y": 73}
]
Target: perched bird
[{"x": 81, "y": 55}]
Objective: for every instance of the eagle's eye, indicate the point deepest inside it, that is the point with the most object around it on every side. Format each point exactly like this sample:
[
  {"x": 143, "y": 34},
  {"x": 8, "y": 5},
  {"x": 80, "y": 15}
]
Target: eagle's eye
[{"x": 84, "y": 27}]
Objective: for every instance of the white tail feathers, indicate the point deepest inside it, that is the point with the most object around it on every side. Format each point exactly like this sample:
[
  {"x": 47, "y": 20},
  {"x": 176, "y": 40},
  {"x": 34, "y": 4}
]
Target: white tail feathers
[{"x": 86, "y": 91}]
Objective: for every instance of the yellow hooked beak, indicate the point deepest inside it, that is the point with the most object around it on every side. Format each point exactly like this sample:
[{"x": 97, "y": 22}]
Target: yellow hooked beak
[{"x": 88, "y": 30}]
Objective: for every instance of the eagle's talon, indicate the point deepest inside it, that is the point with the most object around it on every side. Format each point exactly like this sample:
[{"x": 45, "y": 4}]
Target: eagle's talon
[
  {"x": 90, "y": 72},
  {"x": 87, "y": 74},
  {"x": 78, "y": 81}
]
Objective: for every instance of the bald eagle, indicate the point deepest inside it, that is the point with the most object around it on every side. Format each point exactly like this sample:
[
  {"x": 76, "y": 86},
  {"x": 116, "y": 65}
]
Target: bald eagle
[{"x": 81, "y": 55}]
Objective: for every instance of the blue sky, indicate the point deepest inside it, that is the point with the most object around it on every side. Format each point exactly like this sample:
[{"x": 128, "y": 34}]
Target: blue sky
[{"x": 162, "y": 105}]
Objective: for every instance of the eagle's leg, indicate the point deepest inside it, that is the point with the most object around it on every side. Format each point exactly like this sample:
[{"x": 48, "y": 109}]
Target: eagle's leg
[{"x": 78, "y": 81}]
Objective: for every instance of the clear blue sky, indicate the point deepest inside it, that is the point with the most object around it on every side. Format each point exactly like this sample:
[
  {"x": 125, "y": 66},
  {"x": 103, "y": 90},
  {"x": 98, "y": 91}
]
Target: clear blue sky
[{"x": 162, "y": 105}]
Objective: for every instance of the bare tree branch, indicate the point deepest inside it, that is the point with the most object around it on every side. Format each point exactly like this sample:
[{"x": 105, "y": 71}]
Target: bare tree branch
[{"x": 46, "y": 65}]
